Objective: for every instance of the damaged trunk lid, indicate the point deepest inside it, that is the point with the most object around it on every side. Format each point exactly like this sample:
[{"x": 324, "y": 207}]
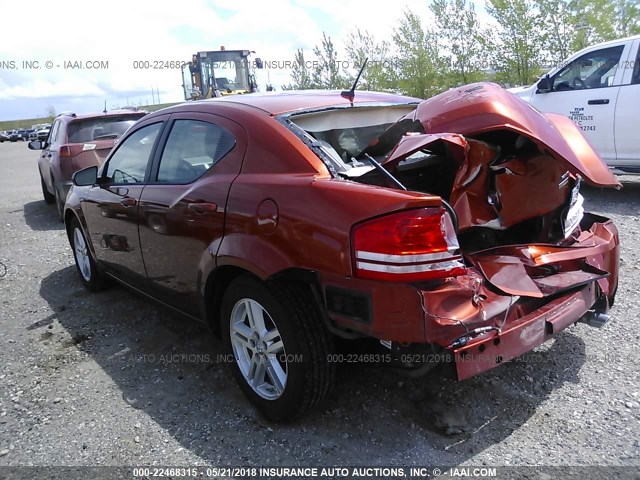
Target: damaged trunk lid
[{"x": 512, "y": 176}]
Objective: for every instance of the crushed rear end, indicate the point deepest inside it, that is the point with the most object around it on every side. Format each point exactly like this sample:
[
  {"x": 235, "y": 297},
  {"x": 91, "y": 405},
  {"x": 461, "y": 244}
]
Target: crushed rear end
[{"x": 536, "y": 262}]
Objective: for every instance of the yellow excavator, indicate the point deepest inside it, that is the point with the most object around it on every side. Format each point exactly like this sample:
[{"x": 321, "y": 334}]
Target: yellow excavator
[{"x": 218, "y": 73}]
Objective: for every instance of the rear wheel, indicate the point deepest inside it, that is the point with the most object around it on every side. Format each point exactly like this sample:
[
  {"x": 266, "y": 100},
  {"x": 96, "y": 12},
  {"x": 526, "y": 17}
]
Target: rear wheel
[
  {"x": 280, "y": 346},
  {"x": 89, "y": 274},
  {"x": 48, "y": 198}
]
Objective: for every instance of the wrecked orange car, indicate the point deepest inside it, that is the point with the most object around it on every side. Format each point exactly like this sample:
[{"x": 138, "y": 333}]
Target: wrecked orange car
[{"x": 452, "y": 226}]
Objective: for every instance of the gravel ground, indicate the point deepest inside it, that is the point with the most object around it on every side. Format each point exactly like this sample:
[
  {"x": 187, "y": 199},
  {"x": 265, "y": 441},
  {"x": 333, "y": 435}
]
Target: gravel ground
[{"x": 94, "y": 379}]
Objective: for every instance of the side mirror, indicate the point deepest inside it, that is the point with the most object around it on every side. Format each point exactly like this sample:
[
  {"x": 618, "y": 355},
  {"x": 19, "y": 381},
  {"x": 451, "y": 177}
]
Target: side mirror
[
  {"x": 259, "y": 63},
  {"x": 86, "y": 177},
  {"x": 35, "y": 145},
  {"x": 545, "y": 85}
]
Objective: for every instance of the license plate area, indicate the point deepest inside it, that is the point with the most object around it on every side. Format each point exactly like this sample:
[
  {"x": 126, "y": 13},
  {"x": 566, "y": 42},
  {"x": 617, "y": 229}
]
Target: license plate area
[{"x": 574, "y": 212}]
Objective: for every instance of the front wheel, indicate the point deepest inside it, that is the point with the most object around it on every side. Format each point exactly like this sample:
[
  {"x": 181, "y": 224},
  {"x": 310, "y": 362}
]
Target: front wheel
[
  {"x": 89, "y": 274},
  {"x": 279, "y": 344}
]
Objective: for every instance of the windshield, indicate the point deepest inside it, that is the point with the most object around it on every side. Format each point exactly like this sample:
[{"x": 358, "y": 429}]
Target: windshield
[
  {"x": 226, "y": 71},
  {"x": 98, "y": 128}
]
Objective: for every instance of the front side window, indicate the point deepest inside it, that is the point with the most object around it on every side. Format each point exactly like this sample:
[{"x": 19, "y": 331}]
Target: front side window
[
  {"x": 129, "y": 162},
  {"x": 591, "y": 70},
  {"x": 193, "y": 147}
]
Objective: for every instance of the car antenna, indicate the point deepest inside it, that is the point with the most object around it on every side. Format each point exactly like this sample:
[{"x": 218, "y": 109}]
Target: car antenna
[
  {"x": 105, "y": 107},
  {"x": 351, "y": 94}
]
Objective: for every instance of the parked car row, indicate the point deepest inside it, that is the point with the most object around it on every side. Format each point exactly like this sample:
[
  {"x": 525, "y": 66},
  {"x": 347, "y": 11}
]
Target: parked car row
[
  {"x": 37, "y": 132},
  {"x": 14, "y": 135}
]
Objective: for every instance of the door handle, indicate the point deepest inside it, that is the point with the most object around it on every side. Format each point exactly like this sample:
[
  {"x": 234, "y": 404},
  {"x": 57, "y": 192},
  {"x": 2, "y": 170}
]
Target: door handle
[
  {"x": 201, "y": 208},
  {"x": 599, "y": 101},
  {"x": 129, "y": 202}
]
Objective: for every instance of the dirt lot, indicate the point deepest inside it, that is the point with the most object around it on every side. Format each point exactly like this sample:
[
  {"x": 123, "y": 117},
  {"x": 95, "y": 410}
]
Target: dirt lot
[{"x": 114, "y": 379}]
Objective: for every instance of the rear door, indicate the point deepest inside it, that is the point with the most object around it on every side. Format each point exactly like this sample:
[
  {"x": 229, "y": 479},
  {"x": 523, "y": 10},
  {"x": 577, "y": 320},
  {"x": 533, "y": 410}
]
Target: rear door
[
  {"x": 182, "y": 209},
  {"x": 111, "y": 207},
  {"x": 626, "y": 125},
  {"x": 586, "y": 90}
]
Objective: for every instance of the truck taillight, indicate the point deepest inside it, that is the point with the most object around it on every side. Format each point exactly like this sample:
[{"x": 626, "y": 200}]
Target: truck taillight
[{"x": 408, "y": 246}]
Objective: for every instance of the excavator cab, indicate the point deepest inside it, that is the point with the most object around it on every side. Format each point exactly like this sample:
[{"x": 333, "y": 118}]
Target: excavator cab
[{"x": 219, "y": 73}]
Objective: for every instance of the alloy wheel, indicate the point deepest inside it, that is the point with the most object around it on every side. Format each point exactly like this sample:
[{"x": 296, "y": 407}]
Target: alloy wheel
[
  {"x": 258, "y": 349},
  {"x": 82, "y": 254}
]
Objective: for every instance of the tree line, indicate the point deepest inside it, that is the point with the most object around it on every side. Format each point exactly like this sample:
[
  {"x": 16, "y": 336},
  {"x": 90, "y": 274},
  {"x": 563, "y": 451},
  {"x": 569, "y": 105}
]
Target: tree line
[{"x": 527, "y": 38}]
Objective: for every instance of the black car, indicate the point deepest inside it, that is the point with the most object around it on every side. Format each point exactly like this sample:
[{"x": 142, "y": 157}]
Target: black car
[{"x": 20, "y": 134}]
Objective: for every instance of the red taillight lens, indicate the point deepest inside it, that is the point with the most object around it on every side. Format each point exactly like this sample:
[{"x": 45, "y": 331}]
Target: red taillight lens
[
  {"x": 412, "y": 245},
  {"x": 70, "y": 150}
]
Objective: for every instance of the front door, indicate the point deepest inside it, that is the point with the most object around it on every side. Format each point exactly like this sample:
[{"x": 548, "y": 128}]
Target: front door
[{"x": 111, "y": 207}]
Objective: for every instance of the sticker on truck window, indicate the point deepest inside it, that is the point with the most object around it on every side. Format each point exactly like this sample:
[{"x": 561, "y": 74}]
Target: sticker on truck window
[{"x": 584, "y": 122}]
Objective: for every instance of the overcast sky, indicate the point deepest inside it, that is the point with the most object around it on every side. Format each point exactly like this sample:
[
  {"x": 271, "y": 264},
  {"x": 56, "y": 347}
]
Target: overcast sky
[{"x": 121, "y": 32}]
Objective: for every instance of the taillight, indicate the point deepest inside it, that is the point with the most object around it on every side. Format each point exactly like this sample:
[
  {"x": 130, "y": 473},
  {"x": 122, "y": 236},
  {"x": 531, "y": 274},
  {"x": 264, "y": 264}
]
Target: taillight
[
  {"x": 70, "y": 150},
  {"x": 409, "y": 246}
]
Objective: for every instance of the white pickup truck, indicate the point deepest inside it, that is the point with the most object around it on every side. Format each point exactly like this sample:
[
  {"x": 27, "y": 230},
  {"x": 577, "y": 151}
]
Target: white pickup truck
[{"x": 599, "y": 89}]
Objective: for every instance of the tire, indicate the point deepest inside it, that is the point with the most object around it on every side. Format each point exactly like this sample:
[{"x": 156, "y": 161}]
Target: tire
[
  {"x": 299, "y": 344},
  {"x": 85, "y": 264},
  {"x": 48, "y": 198}
]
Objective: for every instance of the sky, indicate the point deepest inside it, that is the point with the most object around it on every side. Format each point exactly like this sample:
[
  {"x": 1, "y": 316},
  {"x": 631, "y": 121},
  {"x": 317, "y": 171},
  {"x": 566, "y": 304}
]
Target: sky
[{"x": 46, "y": 56}]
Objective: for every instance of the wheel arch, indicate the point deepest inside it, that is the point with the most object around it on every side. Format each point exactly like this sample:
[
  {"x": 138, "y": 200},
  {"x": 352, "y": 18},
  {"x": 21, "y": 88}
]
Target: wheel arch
[
  {"x": 220, "y": 278},
  {"x": 71, "y": 214}
]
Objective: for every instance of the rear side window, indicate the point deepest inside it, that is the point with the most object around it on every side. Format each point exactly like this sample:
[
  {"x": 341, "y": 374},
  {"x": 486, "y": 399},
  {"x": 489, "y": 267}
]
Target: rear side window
[
  {"x": 128, "y": 163},
  {"x": 100, "y": 128},
  {"x": 193, "y": 147},
  {"x": 53, "y": 135}
]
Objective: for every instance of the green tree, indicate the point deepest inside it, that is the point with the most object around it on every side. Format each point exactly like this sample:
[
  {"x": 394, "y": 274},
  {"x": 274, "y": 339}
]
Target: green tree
[
  {"x": 602, "y": 20},
  {"x": 328, "y": 72},
  {"x": 378, "y": 74},
  {"x": 627, "y": 17},
  {"x": 558, "y": 30},
  {"x": 519, "y": 42},
  {"x": 300, "y": 74},
  {"x": 463, "y": 40},
  {"x": 419, "y": 66},
  {"x": 594, "y": 21}
]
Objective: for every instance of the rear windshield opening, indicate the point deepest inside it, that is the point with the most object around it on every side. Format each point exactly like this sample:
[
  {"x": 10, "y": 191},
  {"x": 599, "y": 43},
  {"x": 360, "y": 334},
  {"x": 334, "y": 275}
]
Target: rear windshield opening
[
  {"x": 100, "y": 128},
  {"x": 342, "y": 134}
]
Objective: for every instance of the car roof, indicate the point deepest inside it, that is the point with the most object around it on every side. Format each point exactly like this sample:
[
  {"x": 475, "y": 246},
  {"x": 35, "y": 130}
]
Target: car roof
[{"x": 275, "y": 103}]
